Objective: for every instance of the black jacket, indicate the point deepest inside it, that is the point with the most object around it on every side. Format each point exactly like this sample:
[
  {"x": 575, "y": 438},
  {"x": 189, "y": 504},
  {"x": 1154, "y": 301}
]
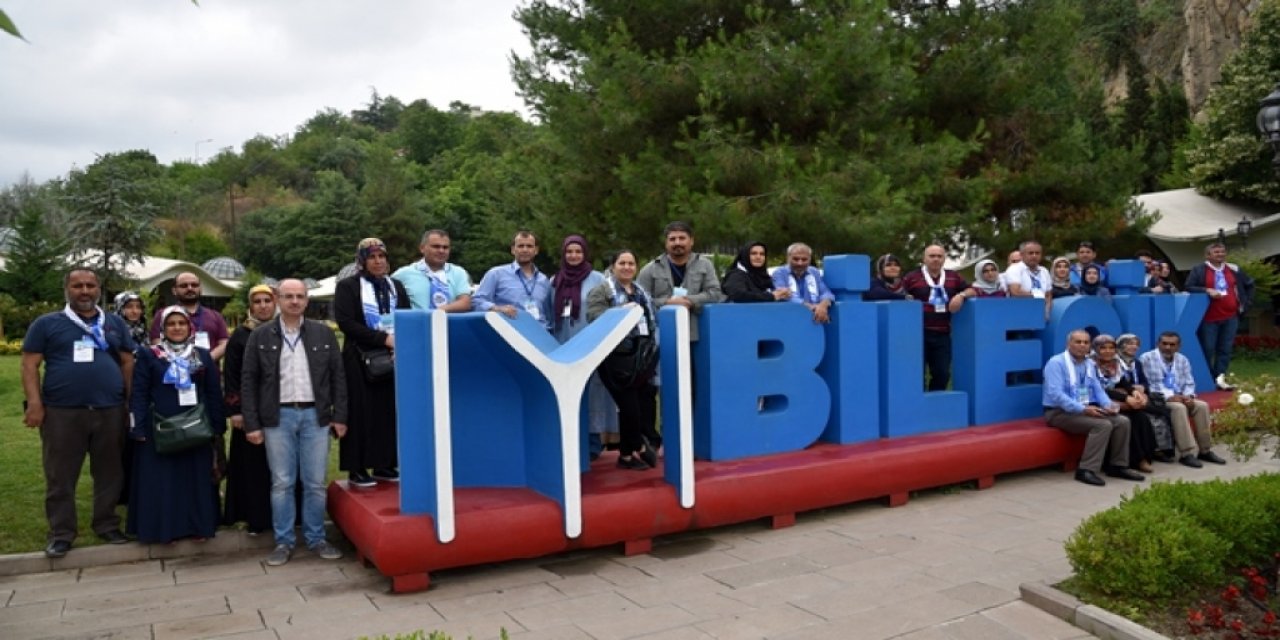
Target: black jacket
[
  {"x": 1197, "y": 282},
  {"x": 260, "y": 375}
]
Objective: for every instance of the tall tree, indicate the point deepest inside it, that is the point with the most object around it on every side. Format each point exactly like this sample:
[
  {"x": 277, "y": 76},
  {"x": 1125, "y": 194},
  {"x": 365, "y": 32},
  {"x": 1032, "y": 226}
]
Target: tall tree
[
  {"x": 36, "y": 255},
  {"x": 113, "y": 205},
  {"x": 1227, "y": 157}
]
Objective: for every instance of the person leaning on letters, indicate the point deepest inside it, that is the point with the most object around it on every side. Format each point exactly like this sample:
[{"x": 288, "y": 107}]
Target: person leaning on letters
[
  {"x": 79, "y": 407},
  {"x": 681, "y": 276},
  {"x": 1075, "y": 402},
  {"x": 292, "y": 392}
]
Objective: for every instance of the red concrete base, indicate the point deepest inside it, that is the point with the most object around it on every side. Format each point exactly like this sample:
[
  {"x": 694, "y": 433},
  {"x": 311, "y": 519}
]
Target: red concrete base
[{"x": 632, "y": 507}]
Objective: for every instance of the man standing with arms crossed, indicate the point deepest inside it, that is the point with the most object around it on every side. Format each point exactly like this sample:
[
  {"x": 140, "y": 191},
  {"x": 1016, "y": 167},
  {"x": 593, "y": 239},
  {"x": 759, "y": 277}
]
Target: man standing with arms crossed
[
  {"x": 293, "y": 392},
  {"x": 80, "y": 408}
]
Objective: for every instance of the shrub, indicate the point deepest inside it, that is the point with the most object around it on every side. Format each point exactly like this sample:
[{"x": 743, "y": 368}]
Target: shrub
[
  {"x": 1251, "y": 418},
  {"x": 1144, "y": 550},
  {"x": 1256, "y": 348},
  {"x": 1236, "y": 512}
]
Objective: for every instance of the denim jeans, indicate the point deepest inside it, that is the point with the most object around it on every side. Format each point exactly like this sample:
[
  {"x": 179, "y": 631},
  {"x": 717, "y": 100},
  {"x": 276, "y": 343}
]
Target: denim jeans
[
  {"x": 297, "y": 444},
  {"x": 1217, "y": 339}
]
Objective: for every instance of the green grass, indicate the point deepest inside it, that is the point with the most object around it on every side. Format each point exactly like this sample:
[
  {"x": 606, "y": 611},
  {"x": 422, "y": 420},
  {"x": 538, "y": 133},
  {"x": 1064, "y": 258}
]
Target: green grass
[{"x": 22, "y": 522}]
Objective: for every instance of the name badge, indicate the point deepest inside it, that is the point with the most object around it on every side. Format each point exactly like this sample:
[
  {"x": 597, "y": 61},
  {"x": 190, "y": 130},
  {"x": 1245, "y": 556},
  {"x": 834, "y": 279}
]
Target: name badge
[
  {"x": 202, "y": 339},
  {"x": 532, "y": 308},
  {"x": 83, "y": 351},
  {"x": 439, "y": 299},
  {"x": 679, "y": 292},
  {"x": 568, "y": 308},
  {"x": 1082, "y": 394},
  {"x": 187, "y": 397},
  {"x": 642, "y": 328},
  {"x": 387, "y": 323},
  {"x": 939, "y": 308},
  {"x": 1037, "y": 294}
]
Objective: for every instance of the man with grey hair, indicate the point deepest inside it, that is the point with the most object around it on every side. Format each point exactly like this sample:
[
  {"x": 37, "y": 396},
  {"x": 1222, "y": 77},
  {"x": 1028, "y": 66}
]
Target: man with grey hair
[
  {"x": 1075, "y": 402},
  {"x": 293, "y": 394},
  {"x": 805, "y": 282},
  {"x": 79, "y": 407},
  {"x": 942, "y": 292}
]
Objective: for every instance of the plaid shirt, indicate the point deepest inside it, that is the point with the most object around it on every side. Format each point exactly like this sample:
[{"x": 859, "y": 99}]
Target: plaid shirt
[{"x": 1153, "y": 365}]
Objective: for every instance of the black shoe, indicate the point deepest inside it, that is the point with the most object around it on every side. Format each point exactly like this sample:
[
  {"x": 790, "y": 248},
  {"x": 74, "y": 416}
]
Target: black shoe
[
  {"x": 632, "y": 462},
  {"x": 1165, "y": 456},
  {"x": 360, "y": 479},
  {"x": 113, "y": 537},
  {"x": 1088, "y": 477},
  {"x": 1210, "y": 456},
  {"x": 1190, "y": 461},
  {"x": 1126, "y": 474},
  {"x": 386, "y": 475},
  {"x": 57, "y": 549},
  {"x": 649, "y": 456}
]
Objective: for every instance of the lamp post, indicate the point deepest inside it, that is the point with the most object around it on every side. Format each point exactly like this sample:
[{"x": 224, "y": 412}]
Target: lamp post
[
  {"x": 198, "y": 143},
  {"x": 1242, "y": 229},
  {"x": 1269, "y": 124}
]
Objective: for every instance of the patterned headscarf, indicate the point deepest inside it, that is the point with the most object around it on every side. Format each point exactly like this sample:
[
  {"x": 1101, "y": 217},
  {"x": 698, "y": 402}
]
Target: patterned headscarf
[
  {"x": 366, "y": 247},
  {"x": 182, "y": 357}
]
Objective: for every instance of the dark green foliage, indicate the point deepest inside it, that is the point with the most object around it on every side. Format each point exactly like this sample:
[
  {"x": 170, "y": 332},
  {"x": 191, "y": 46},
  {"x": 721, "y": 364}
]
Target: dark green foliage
[
  {"x": 1227, "y": 158},
  {"x": 1143, "y": 550},
  {"x": 311, "y": 240},
  {"x": 34, "y": 264},
  {"x": 1172, "y": 537},
  {"x": 113, "y": 206}
]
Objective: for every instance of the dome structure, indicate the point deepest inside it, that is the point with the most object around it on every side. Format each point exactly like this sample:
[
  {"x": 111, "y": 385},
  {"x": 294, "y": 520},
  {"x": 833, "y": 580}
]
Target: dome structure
[
  {"x": 224, "y": 268},
  {"x": 311, "y": 283}
]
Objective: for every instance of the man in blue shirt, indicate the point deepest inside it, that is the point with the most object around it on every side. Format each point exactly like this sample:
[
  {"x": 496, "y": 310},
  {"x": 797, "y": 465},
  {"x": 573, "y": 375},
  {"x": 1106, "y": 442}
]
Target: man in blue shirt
[
  {"x": 433, "y": 282},
  {"x": 1075, "y": 402},
  {"x": 804, "y": 281},
  {"x": 1085, "y": 256},
  {"x": 518, "y": 286},
  {"x": 79, "y": 407}
]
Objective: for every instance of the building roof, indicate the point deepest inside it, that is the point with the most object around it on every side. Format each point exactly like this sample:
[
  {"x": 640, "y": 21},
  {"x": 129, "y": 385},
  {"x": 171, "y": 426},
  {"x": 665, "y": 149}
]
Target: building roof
[{"x": 1188, "y": 221}]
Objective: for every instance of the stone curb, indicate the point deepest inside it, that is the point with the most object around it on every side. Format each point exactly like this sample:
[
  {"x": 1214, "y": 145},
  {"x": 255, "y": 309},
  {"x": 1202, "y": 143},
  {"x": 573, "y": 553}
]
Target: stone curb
[
  {"x": 1095, "y": 620},
  {"x": 224, "y": 542}
]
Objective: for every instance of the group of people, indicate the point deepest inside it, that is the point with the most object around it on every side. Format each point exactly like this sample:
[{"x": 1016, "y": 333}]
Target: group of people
[{"x": 285, "y": 386}]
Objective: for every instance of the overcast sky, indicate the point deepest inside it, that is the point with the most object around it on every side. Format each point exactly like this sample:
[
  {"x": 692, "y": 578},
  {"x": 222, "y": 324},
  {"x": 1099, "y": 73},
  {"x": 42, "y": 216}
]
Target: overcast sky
[{"x": 98, "y": 76}]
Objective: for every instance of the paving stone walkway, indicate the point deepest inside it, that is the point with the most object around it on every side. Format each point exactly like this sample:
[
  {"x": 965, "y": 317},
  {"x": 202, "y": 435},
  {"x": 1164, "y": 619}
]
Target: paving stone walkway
[{"x": 945, "y": 566}]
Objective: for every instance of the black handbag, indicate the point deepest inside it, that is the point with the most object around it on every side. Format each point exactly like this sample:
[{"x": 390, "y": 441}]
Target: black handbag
[
  {"x": 632, "y": 363},
  {"x": 377, "y": 364},
  {"x": 182, "y": 431}
]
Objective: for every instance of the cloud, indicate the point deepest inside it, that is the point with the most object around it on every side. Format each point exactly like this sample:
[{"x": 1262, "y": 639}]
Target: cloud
[{"x": 98, "y": 77}]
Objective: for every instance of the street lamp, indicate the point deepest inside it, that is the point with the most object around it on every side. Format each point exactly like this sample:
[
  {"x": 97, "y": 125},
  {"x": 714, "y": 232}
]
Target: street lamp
[
  {"x": 198, "y": 143},
  {"x": 1222, "y": 236},
  {"x": 1242, "y": 229},
  {"x": 1269, "y": 124}
]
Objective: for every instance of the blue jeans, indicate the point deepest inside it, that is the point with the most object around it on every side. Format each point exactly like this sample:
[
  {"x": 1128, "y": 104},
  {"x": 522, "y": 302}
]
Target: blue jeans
[
  {"x": 1217, "y": 339},
  {"x": 298, "y": 444}
]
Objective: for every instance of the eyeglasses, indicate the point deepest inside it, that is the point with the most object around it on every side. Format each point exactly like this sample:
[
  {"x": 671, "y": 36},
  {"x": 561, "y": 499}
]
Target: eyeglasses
[{"x": 293, "y": 296}]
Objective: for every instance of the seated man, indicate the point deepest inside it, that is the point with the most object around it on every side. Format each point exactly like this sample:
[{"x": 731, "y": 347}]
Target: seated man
[
  {"x": 1075, "y": 402},
  {"x": 804, "y": 281},
  {"x": 1169, "y": 374}
]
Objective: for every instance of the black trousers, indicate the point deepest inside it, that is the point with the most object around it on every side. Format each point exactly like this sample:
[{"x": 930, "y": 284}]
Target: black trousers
[
  {"x": 637, "y": 413},
  {"x": 937, "y": 359},
  {"x": 65, "y": 437}
]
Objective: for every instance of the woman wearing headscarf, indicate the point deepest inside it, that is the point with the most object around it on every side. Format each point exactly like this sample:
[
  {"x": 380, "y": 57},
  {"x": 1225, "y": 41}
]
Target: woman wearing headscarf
[
  {"x": 1091, "y": 282},
  {"x": 1127, "y": 347},
  {"x": 628, "y": 377},
  {"x": 130, "y": 307},
  {"x": 747, "y": 279},
  {"x": 170, "y": 497},
  {"x": 1060, "y": 271},
  {"x": 987, "y": 282},
  {"x": 248, "y": 476},
  {"x": 363, "y": 305},
  {"x": 887, "y": 283},
  {"x": 570, "y": 286},
  {"x": 1131, "y": 398}
]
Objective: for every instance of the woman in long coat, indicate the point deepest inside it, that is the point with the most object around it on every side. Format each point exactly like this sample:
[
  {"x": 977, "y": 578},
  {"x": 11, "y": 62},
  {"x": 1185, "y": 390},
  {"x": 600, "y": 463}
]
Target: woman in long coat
[
  {"x": 363, "y": 305},
  {"x": 170, "y": 496},
  {"x": 248, "y": 476}
]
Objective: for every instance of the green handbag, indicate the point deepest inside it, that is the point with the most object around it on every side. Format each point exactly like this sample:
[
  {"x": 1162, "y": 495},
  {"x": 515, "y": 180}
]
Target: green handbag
[{"x": 182, "y": 431}]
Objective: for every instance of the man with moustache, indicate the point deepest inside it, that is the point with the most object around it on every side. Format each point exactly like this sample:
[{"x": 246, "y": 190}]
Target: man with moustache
[
  {"x": 681, "y": 276},
  {"x": 433, "y": 282},
  {"x": 209, "y": 326},
  {"x": 79, "y": 407}
]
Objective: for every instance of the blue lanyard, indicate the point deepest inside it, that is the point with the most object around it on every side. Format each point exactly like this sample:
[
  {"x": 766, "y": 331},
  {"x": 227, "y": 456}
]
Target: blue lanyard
[{"x": 530, "y": 285}]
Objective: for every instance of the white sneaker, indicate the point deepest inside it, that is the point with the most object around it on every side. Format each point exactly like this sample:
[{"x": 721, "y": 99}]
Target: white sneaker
[{"x": 1222, "y": 383}]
